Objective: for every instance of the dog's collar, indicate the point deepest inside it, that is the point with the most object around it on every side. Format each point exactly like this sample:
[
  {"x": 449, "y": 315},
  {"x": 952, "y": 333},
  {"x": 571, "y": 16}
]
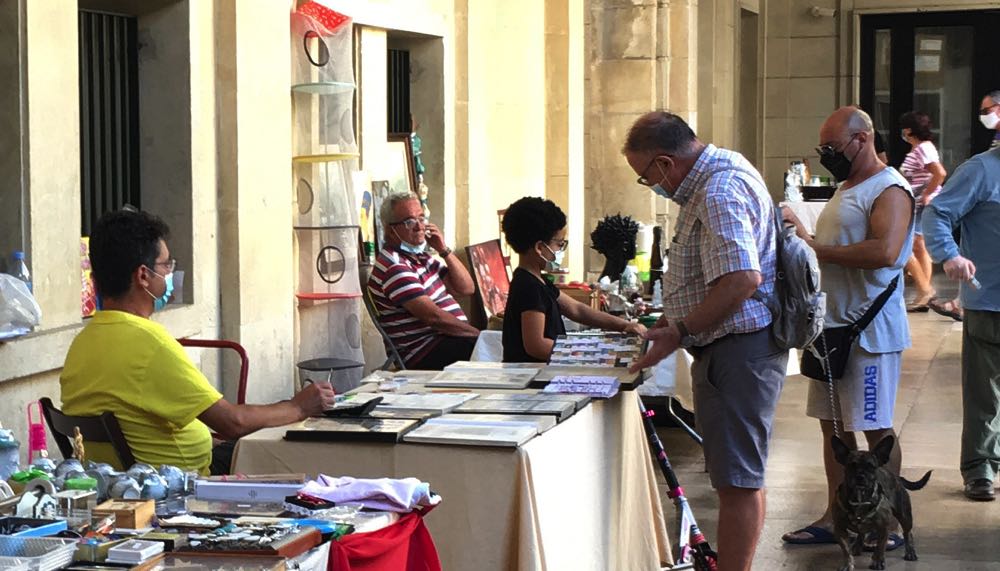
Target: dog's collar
[{"x": 875, "y": 501}]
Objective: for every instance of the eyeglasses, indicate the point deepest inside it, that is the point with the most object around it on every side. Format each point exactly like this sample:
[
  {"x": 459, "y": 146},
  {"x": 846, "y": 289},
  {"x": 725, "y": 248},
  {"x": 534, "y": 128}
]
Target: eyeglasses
[
  {"x": 169, "y": 264},
  {"x": 988, "y": 110},
  {"x": 829, "y": 150},
  {"x": 410, "y": 223},
  {"x": 561, "y": 243},
  {"x": 642, "y": 179}
]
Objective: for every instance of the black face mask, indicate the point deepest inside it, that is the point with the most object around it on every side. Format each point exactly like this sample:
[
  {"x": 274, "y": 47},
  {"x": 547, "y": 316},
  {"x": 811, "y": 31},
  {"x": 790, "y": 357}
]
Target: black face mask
[{"x": 837, "y": 163}]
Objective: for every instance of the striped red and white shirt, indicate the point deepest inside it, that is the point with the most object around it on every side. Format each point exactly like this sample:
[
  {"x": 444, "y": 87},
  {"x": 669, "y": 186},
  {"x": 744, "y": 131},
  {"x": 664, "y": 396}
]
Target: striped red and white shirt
[
  {"x": 399, "y": 277},
  {"x": 914, "y": 168}
]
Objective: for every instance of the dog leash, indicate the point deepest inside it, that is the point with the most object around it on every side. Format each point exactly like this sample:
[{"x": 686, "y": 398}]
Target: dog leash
[{"x": 834, "y": 397}]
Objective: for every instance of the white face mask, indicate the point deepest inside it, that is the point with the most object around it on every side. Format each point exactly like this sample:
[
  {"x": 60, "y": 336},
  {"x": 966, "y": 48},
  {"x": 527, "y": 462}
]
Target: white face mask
[
  {"x": 990, "y": 120},
  {"x": 555, "y": 264},
  {"x": 415, "y": 249}
]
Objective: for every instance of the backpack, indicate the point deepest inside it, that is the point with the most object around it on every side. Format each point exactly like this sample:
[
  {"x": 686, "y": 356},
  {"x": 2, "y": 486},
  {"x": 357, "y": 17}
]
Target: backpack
[{"x": 797, "y": 307}]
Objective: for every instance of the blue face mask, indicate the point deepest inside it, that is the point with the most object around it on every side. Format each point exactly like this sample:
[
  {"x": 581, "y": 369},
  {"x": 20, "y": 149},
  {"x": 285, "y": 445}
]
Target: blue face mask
[
  {"x": 160, "y": 302},
  {"x": 659, "y": 190},
  {"x": 415, "y": 249}
]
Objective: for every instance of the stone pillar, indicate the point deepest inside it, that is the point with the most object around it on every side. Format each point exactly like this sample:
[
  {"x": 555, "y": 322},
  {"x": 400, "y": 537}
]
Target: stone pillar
[
  {"x": 642, "y": 57},
  {"x": 255, "y": 196}
]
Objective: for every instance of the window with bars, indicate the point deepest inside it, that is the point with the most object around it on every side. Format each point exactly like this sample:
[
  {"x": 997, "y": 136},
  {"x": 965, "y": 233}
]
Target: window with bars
[
  {"x": 398, "y": 103},
  {"x": 109, "y": 115}
]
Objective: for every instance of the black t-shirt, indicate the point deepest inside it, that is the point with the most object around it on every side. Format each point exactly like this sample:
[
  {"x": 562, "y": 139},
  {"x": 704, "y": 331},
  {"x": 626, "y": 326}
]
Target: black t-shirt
[{"x": 528, "y": 293}]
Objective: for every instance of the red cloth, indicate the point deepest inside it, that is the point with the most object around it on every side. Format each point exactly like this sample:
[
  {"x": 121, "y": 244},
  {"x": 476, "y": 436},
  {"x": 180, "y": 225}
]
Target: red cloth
[
  {"x": 403, "y": 546},
  {"x": 327, "y": 19}
]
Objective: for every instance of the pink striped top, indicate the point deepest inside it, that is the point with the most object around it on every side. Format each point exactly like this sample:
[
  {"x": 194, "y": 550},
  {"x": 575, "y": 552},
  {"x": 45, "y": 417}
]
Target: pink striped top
[{"x": 914, "y": 167}]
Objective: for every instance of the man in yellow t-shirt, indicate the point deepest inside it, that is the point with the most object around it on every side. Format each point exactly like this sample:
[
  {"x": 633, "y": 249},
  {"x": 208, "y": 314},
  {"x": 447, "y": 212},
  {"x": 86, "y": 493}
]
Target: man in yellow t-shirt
[{"x": 125, "y": 363}]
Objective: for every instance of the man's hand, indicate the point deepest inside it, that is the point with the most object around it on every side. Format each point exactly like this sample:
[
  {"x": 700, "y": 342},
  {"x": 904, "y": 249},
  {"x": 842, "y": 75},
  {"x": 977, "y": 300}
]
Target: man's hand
[
  {"x": 959, "y": 268},
  {"x": 661, "y": 322},
  {"x": 665, "y": 341},
  {"x": 435, "y": 239},
  {"x": 315, "y": 398},
  {"x": 635, "y": 329},
  {"x": 789, "y": 217}
]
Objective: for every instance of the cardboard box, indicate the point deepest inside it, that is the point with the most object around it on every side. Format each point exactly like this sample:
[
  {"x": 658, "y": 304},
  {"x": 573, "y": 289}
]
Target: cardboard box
[{"x": 129, "y": 514}]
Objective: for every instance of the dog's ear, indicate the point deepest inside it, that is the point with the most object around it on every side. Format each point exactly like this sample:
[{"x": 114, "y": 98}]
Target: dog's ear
[
  {"x": 883, "y": 449},
  {"x": 840, "y": 450}
]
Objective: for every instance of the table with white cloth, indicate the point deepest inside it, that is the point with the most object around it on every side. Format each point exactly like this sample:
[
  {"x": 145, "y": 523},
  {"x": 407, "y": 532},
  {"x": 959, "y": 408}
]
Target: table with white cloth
[{"x": 583, "y": 495}]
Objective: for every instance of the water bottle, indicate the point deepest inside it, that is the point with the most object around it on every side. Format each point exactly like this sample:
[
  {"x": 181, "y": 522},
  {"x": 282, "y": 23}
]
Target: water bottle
[{"x": 20, "y": 269}]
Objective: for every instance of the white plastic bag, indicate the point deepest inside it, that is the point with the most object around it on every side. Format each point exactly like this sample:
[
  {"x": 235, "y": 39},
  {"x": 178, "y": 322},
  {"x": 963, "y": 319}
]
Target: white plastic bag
[{"x": 19, "y": 312}]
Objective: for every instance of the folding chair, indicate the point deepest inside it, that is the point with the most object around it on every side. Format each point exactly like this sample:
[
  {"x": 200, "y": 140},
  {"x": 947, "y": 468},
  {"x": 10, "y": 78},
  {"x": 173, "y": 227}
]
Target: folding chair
[
  {"x": 392, "y": 355},
  {"x": 103, "y": 428},
  {"x": 241, "y": 391}
]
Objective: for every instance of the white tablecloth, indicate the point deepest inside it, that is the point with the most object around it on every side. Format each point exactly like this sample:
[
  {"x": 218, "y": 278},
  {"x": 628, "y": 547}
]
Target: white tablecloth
[{"x": 582, "y": 496}]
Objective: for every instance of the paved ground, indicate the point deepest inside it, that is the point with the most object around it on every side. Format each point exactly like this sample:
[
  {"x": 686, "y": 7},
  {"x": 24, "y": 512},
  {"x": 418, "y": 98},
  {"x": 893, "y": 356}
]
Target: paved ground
[{"x": 952, "y": 533}]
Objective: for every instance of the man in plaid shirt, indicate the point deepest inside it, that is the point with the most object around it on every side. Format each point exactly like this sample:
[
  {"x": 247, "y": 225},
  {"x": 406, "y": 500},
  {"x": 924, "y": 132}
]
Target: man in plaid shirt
[{"x": 723, "y": 252}]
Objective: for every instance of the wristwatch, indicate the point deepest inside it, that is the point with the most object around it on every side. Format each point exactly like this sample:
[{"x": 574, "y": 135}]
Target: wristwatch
[
  {"x": 446, "y": 252},
  {"x": 687, "y": 340}
]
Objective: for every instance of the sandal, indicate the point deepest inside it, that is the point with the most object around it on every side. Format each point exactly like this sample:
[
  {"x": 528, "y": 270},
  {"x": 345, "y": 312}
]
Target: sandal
[
  {"x": 817, "y": 534},
  {"x": 894, "y": 542},
  {"x": 947, "y": 309},
  {"x": 920, "y": 304}
]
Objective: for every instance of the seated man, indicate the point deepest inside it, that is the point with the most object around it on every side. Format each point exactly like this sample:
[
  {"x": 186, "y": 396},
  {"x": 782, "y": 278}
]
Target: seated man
[
  {"x": 413, "y": 291},
  {"x": 124, "y": 363}
]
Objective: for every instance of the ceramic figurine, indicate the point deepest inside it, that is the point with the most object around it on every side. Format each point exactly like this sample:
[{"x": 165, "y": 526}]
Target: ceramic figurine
[
  {"x": 79, "y": 452},
  {"x": 175, "y": 477},
  {"x": 139, "y": 470},
  {"x": 125, "y": 488},
  {"x": 68, "y": 465},
  {"x": 154, "y": 487}
]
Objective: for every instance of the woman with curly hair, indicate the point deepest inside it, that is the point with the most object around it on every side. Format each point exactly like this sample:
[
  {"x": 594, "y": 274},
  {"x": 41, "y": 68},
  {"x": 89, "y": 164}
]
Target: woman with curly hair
[
  {"x": 536, "y": 229},
  {"x": 923, "y": 170}
]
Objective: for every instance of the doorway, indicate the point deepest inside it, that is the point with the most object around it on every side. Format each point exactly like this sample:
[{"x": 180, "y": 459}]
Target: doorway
[{"x": 937, "y": 62}]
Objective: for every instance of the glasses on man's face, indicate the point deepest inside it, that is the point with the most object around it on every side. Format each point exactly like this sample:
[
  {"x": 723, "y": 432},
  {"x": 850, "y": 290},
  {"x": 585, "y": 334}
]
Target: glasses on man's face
[
  {"x": 560, "y": 244},
  {"x": 411, "y": 223},
  {"x": 642, "y": 179},
  {"x": 169, "y": 265},
  {"x": 828, "y": 149},
  {"x": 988, "y": 110}
]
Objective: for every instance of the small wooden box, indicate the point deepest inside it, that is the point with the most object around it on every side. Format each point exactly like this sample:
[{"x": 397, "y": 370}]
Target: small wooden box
[{"x": 129, "y": 514}]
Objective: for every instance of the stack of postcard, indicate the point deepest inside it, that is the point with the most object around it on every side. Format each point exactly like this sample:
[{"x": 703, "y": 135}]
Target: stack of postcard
[
  {"x": 592, "y": 386},
  {"x": 542, "y": 422},
  {"x": 596, "y": 350},
  {"x": 435, "y": 403},
  {"x": 484, "y": 378},
  {"x": 473, "y": 432}
]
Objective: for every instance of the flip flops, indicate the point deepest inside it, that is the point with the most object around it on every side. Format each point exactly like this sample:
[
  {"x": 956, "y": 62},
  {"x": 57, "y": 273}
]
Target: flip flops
[
  {"x": 946, "y": 308},
  {"x": 818, "y": 535}
]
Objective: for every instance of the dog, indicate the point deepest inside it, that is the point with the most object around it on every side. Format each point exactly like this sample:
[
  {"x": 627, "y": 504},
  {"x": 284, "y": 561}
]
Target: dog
[{"x": 869, "y": 499}]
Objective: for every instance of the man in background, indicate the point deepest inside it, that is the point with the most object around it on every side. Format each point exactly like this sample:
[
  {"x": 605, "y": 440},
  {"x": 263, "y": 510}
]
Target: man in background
[{"x": 414, "y": 291}]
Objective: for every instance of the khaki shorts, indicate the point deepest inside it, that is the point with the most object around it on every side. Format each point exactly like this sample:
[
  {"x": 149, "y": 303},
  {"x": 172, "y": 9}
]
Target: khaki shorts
[{"x": 737, "y": 381}]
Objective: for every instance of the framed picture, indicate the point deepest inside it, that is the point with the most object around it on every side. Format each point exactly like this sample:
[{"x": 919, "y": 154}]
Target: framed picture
[
  {"x": 380, "y": 191},
  {"x": 400, "y": 169},
  {"x": 490, "y": 274}
]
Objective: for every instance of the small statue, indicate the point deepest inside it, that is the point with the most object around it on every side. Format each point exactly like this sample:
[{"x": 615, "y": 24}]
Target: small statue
[{"x": 78, "y": 450}]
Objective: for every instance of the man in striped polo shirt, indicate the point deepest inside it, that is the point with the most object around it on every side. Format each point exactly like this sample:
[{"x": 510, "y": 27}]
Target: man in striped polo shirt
[{"x": 414, "y": 291}]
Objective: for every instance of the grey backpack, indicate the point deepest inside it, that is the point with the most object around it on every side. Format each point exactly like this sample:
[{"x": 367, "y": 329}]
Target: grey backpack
[{"x": 797, "y": 307}]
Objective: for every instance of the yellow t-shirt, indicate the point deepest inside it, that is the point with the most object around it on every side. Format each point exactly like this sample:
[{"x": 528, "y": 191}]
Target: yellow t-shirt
[{"x": 133, "y": 368}]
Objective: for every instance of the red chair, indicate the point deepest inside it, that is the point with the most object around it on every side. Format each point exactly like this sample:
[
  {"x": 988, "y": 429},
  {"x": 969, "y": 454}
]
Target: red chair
[{"x": 241, "y": 391}]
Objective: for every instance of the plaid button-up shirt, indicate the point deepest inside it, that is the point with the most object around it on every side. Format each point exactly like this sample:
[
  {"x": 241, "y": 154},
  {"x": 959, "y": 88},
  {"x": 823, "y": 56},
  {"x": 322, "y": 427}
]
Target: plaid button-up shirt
[{"x": 725, "y": 225}]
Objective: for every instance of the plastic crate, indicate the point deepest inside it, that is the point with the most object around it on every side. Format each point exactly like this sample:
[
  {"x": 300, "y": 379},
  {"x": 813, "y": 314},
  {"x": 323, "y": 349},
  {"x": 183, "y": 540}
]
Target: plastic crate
[
  {"x": 37, "y": 553},
  {"x": 32, "y": 527}
]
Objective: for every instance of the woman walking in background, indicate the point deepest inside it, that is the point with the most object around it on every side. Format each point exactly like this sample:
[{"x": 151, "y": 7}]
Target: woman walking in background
[{"x": 923, "y": 170}]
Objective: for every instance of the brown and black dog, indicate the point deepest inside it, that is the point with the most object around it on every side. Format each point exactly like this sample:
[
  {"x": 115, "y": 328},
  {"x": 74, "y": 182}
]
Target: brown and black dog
[{"x": 869, "y": 499}]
